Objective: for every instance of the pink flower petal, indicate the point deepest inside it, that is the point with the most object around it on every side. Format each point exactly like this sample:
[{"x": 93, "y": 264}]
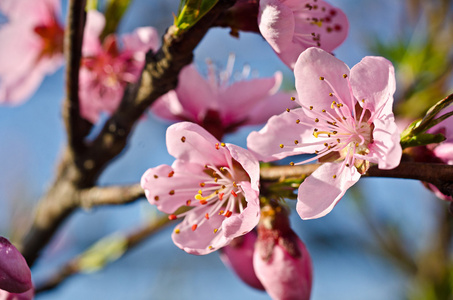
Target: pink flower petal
[
  {"x": 198, "y": 241},
  {"x": 291, "y": 26},
  {"x": 239, "y": 98},
  {"x": 240, "y": 224},
  {"x": 195, "y": 94},
  {"x": 445, "y": 152},
  {"x": 270, "y": 106},
  {"x": 386, "y": 147},
  {"x": 320, "y": 191},
  {"x": 141, "y": 40},
  {"x": 373, "y": 79},
  {"x": 168, "y": 188},
  {"x": 282, "y": 130},
  {"x": 93, "y": 28},
  {"x": 314, "y": 64},
  {"x": 189, "y": 142}
]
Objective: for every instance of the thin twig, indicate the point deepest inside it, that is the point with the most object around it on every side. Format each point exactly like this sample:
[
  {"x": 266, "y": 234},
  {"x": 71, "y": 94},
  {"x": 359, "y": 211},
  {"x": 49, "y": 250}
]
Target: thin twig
[
  {"x": 110, "y": 195},
  {"x": 133, "y": 239}
]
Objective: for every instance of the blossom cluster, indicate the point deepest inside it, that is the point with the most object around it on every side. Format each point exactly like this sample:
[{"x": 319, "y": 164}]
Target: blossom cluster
[{"x": 341, "y": 117}]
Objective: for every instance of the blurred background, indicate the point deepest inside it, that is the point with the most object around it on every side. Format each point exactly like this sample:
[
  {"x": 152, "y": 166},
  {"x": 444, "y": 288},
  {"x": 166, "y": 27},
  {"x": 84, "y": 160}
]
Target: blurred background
[{"x": 387, "y": 238}]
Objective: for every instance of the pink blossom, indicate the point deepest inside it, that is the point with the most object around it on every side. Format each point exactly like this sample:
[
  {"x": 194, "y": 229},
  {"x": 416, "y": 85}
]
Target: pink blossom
[
  {"x": 218, "y": 181},
  {"x": 15, "y": 276},
  {"x": 31, "y": 46},
  {"x": 238, "y": 256},
  {"x": 28, "y": 295},
  {"x": 345, "y": 118},
  {"x": 219, "y": 106},
  {"x": 107, "y": 68},
  {"x": 281, "y": 260},
  {"x": 291, "y": 26}
]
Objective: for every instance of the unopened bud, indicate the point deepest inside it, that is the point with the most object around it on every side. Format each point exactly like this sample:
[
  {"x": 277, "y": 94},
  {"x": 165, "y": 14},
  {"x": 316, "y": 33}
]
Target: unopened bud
[{"x": 15, "y": 275}]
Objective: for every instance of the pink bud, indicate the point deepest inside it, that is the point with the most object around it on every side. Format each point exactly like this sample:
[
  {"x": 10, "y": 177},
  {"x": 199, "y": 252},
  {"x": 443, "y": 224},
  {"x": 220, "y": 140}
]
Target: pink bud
[
  {"x": 28, "y": 295},
  {"x": 15, "y": 275},
  {"x": 238, "y": 255},
  {"x": 281, "y": 260}
]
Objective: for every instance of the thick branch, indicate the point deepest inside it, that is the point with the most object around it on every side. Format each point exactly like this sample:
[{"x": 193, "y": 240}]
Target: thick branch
[
  {"x": 76, "y": 127},
  {"x": 81, "y": 166},
  {"x": 280, "y": 172},
  {"x": 111, "y": 195},
  {"x": 159, "y": 76}
]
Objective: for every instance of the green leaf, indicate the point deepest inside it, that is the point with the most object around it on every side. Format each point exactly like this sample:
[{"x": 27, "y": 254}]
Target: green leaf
[
  {"x": 422, "y": 139},
  {"x": 104, "y": 251},
  {"x": 191, "y": 11}
]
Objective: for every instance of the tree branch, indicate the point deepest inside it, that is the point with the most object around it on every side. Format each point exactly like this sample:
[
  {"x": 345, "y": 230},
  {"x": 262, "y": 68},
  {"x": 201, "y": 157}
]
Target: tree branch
[
  {"x": 132, "y": 239},
  {"x": 80, "y": 167},
  {"x": 76, "y": 126},
  {"x": 111, "y": 195}
]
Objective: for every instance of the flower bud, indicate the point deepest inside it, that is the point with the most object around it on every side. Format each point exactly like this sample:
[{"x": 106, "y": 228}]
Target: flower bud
[
  {"x": 15, "y": 275},
  {"x": 238, "y": 255},
  {"x": 281, "y": 261}
]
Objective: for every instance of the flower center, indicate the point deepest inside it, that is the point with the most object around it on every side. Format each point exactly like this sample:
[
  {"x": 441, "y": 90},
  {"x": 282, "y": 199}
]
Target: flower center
[
  {"x": 52, "y": 36},
  {"x": 341, "y": 131}
]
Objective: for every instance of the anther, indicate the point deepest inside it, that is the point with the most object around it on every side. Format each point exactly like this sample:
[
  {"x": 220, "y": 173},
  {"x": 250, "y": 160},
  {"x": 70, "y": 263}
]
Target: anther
[
  {"x": 330, "y": 94},
  {"x": 202, "y": 184},
  {"x": 177, "y": 231},
  {"x": 171, "y": 174},
  {"x": 194, "y": 226},
  {"x": 221, "y": 196},
  {"x": 183, "y": 139},
  {"x": 206, "y": 216},
  {"x": 288, "y": 110},
  {"x": 234, "y": 184},
  {"x": 296, "y": 142},
  {"x": 347, "y": 165},
  {"x": 228, "y": 214},
  {"x": 334, "y": 176},
  {"x": 215, "y": 230},
  {"x": 316, "y": 120},
  {"x": 234, "y": 194},
  {"x": 281, "y": 146},
  {"x": 222, "y": 144},
  {"x": 217, "y": 146},
  {"x": 323, "y": 110},
  {"x": 293, "y": 98},
  {"x": 291, "y": 164},
  {"x": 345, "y": 75},
  {"x": 311, "y": 107},
  {"x": 172, "y": 217},
  {"x": 321, "y": 78},
  {"x": 155, "y": 176},
  {"x": 172, "y": 192},
  {"x": 188, "y": 202},
  {"x": 156, "y": 198},
  {"x": 297, "y": 121}
]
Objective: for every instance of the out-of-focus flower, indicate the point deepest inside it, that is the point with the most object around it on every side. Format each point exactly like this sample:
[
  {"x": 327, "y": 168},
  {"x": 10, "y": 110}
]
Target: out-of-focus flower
[
  {"x": 218, "y": 182},
  {"x": 437, "y": 153},
  {"x": 291, "y": 26},
  {"x": 220, "y": 106},
  {"x": 28, "y": 295},
  {"x": 345, "y": 118},
  {"x": 107, "y": 68},
  {"x": 15, "y": 275},
  {"x": 238, "y": 255},
  {"x": 281, "y": 260},
  {"x": 31, "y": 46}
]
